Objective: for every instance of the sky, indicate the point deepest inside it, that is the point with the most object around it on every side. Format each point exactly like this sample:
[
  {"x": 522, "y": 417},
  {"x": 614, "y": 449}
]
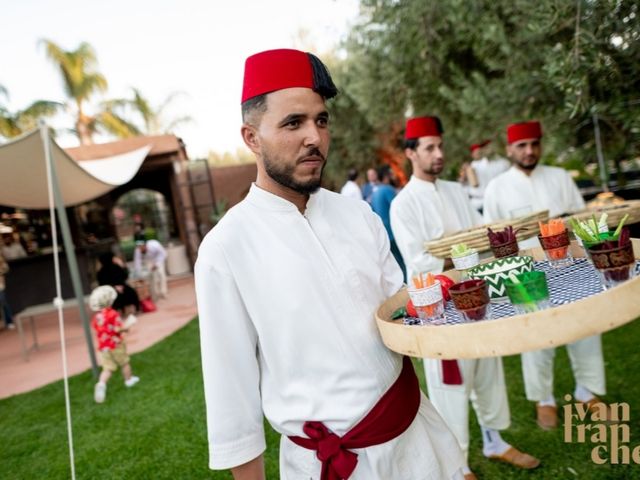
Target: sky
[{"x": 160, "y": 47}]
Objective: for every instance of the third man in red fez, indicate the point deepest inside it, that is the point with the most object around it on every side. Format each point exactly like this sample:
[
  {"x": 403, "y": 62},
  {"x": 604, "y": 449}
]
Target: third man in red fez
[
  {"x": 525, "y": 188},
  {"x": 287, "y": 285},
  {"x": 429, "y": 208}
]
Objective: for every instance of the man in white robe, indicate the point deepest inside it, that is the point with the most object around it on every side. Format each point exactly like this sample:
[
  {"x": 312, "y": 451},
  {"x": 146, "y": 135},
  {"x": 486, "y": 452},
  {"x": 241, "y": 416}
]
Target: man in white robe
[
  {"x": 351, "y": 188},
  {"x": 532, "y": 187},
  {"x": 287, "y": 285},
  {"x": 481, "y": 171},
  {"x": 151, "y": 256},
  {"x": 427, "y": 209}
]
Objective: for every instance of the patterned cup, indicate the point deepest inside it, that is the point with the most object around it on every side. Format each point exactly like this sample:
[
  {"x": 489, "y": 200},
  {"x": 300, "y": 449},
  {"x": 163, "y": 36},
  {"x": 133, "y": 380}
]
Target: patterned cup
[
  {"x": 614, "y": 265},
  {"x": 530, "y": 294},
  {"x": 464, "y": 263},
  {"x": 556, "y": 249},
  {"x": 497, "y": 271},
  {"x": 428, "y": 303},
  {"x": 509, "y": 249},
  {"x": 471, "y": 299}
]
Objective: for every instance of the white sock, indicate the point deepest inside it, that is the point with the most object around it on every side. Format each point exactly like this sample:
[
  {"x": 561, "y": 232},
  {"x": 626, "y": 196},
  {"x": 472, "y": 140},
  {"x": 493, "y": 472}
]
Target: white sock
[
  {"x": 583, "y": 394},
  {"x": 492, "y": 442},
  {"x": 548, "y": 402}
]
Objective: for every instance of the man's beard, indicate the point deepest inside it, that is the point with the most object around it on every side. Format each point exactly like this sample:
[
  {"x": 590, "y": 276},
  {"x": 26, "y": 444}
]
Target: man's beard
[
  {"x": 283, "y": 173},
  {"x": 528, "y": 166}
]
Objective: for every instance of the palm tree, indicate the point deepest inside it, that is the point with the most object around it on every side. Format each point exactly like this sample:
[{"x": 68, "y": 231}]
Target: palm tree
[
  {"x": 13, "y": 124},
  {"x": 81, "y": 80},
  {"x": 153, "y": 118}
]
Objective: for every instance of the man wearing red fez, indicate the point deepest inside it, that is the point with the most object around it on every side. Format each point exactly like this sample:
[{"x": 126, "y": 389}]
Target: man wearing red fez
[
  {"x": 426, "y": 209},
  {"x": 287, "y": 284},
  {"x": 480, "y": 171},
  {"x": 529, "y": 187}
]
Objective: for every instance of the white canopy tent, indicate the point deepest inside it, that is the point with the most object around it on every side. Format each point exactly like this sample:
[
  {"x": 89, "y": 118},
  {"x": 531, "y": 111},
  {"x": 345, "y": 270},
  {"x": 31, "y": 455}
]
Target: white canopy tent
[
  {"x": 35, "y": 173},
  {"x": 23, "y": 173}
]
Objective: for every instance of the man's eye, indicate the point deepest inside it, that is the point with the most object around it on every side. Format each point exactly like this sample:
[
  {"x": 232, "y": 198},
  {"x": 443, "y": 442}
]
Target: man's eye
[
  {"x": 323, "y": 122},
  {"x": 292, "y": 124}
]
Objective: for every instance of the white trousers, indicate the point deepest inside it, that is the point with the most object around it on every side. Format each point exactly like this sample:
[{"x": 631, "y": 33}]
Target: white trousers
[
  {"x": 158, "y": 282},
  {"x": 482, "y": 383},
  {"x": 587, "y": 364},
  {"x": 425, "y": 451}
]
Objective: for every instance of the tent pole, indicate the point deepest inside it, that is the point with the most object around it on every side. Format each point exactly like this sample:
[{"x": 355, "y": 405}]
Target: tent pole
[{"x": 70, "y": 251}]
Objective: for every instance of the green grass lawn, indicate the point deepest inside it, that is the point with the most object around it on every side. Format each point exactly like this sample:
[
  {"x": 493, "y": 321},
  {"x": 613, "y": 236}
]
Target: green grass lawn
[{"x": 157, "y": 429}]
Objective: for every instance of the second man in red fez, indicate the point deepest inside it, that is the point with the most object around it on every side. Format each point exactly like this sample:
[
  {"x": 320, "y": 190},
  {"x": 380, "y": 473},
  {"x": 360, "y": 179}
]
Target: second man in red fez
[
  {"x": 429, "y": 208},
  {"x": 287, "y": 285},
  {"x": 529, "y": 187}
]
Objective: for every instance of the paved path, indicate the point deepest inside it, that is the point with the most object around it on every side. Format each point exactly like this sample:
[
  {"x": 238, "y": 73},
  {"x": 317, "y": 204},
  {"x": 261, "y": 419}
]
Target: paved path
[{"x": 45, "y": 365}]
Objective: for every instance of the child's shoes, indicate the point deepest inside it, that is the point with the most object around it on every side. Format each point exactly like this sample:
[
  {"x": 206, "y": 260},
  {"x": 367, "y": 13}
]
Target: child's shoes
[
  {"x": 100, "y": 392},
  {"x": 132, "y": 381}
]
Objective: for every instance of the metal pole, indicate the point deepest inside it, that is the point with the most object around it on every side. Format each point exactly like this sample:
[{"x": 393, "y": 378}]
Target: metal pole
[
  {"x": 604, "y": 174},
  {"x": 70, "y": 251}
]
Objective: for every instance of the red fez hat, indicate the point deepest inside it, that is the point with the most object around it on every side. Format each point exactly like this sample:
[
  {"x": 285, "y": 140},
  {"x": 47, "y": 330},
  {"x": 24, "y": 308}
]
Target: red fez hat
[
  {"x": 273, "y": 70},
  {"x": 523, "y": 131},
  {"x": 423, "y": 127},
  {"x": 476, "y": 146}
]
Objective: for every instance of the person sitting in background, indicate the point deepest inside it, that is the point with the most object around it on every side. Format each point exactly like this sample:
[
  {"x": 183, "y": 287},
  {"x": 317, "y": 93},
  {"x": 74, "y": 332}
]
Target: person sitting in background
[
  {"x": 4, "y": 304},
  {"x": 370, "y": 187},
  {"x": 11, "y": 249},
  {"x": 351, "y": 188},
  {"x": 109, "y": 327},
  {"x": 381, "y": 199},
  {"x": 152, "y": 255},
  {"x": 113, "y": 271}
]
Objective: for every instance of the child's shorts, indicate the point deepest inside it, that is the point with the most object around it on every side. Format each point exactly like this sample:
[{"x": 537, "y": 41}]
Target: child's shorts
[{"x": 112, "y": 359}]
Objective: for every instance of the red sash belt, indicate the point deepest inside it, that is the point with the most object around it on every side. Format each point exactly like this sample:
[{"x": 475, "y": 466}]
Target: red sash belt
[
  {"x": 391, "y": 416},
  {"x": 451, "y": 372}
]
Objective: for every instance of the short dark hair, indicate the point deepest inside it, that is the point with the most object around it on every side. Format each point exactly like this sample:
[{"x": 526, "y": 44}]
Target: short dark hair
[
  {"x": 411, "y": 143},
  {"x": 255, "y": 104},
  {"x": 383, "y": 171},
  {"x": 352, "y": 174}
]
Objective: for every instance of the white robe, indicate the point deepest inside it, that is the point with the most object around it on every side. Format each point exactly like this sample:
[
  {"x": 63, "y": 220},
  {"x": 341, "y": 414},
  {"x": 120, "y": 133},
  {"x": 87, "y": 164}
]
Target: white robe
[
  {"x": 351, "y": 189},
  {"x": 514, "y": 194},
  {"x": 546, "y": 188},
  {"x": 485, "y": 170},
  {"x": 286, "y": 305},
  {"x": 425, "y": 211}
]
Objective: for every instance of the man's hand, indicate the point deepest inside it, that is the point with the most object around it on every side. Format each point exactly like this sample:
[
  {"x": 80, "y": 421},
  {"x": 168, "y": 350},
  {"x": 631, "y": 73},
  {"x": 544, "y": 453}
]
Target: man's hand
[{"x": 253, "y": 470}]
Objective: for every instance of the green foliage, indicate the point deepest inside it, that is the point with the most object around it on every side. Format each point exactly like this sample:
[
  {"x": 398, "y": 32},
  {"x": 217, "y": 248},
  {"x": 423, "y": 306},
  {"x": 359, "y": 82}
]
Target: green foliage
[
  {"x": 481, "y": 64},
  {"x": 157, "y": 429}
]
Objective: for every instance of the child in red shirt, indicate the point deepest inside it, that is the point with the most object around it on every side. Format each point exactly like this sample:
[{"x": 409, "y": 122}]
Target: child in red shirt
[{"x": 109, "y": 328}]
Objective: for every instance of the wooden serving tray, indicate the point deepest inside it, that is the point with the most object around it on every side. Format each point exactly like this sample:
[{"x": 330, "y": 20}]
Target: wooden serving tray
[{"x": 512, "y": 335}]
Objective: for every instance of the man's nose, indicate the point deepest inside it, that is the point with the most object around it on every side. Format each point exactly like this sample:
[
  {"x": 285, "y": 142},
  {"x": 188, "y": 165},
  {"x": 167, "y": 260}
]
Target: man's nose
[{"x": 311, "y": 135}]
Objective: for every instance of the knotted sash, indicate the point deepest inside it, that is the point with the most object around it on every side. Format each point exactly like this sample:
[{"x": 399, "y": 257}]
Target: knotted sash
[{"x": 390, "y": 417}]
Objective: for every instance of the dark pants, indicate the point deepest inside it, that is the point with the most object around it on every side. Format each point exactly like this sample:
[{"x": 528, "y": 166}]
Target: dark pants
[{"x": 6, "y": 309}]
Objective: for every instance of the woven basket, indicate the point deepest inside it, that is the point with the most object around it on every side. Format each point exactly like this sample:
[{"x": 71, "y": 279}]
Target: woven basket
[
  {"x": 512, "y": 335},
  {"x": 477, "y": 237},
  {"x": 615, "y": 213}
]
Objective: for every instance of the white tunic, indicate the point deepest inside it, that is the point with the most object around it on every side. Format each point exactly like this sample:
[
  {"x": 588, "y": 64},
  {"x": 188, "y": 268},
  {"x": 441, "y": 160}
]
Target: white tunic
[
  {"x": 154, "y": 256},
  {"x": 514, "y": 194},
  {"x": 425, "y": 211},
  {"x": 351, "y": 189},
  {"x": 486, "y": 170},
  {"x": 286, "y": 305}
]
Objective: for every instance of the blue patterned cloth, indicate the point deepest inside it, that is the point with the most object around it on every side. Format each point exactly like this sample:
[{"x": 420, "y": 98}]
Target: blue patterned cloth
[{"x": 568, "y": 284}]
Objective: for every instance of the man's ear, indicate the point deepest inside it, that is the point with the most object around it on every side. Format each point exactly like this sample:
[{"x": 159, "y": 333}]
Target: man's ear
[
  {"x": 250, "y": 137},
  {"x": 409, "y": 153}
]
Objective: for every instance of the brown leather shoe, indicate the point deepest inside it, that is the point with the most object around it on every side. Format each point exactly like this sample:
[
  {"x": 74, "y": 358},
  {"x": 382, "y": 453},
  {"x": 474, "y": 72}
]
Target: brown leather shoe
[
  {"x": 517, "y": 458},
  {"x": 547, "y": 416},
  {"x": 470, "y": 476}
]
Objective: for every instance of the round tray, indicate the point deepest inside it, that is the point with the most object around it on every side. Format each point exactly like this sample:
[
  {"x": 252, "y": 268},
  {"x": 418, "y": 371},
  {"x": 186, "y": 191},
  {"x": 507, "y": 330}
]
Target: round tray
[{"x": 516, "y": 334}]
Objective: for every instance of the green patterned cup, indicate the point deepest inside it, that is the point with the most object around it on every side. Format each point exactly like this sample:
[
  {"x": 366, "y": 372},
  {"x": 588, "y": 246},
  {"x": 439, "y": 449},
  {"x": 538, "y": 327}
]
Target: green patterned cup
[
  {"x": 530, "y": 293},
  {"x": 496, "y": 272}
]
